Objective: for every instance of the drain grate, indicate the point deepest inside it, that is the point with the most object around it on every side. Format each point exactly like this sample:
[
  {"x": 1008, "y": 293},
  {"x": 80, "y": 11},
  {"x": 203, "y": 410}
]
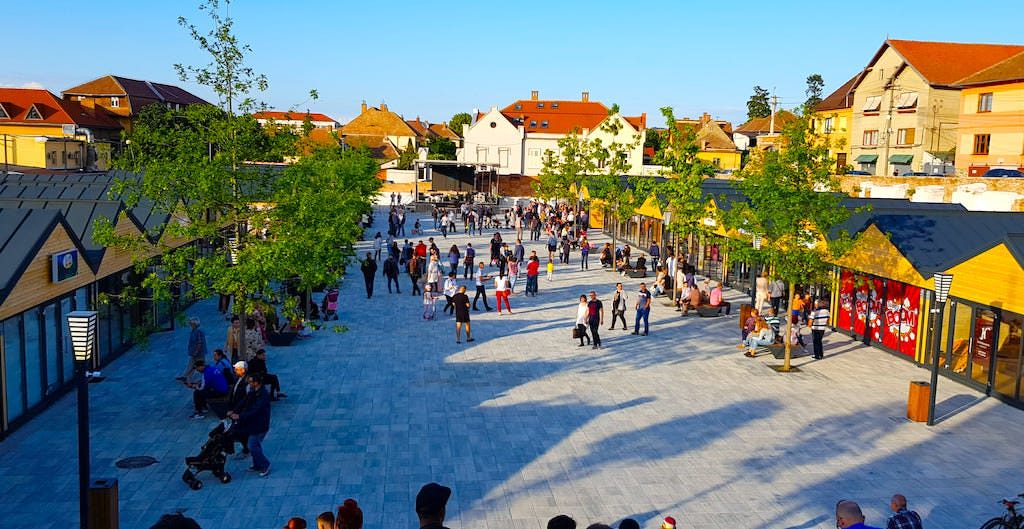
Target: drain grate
[{"x": 136, "y": 462}]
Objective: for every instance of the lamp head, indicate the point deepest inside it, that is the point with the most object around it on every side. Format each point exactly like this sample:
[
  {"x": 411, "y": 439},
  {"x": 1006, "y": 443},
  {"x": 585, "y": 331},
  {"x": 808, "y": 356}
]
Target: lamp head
[
  {"x": 943, "y": 282},
  {"x": 82, "y": 328}
]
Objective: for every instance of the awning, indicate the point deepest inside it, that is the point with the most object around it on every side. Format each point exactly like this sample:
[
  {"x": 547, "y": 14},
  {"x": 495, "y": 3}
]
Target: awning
[
  {"x": 867, "y": 158},
  {"x": 901, "y": 158}
]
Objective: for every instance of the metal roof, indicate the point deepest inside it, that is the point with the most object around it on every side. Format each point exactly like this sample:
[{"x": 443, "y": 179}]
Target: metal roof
[{"x": 22, "y": 234}]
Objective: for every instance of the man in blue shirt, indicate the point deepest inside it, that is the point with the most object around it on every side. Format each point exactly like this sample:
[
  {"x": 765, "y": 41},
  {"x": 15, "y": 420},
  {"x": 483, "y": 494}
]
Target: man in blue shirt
[
  {"x": 212, "y": 386},
  {"x": 849, "y": 516},
  {"x": 643, "y": 309}
]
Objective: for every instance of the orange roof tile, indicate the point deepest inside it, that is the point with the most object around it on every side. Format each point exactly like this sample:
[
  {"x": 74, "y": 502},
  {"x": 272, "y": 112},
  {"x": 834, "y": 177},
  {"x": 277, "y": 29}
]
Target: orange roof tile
[
  {"x": 562, "y": 117},
  {"x": 1010, "y": 70},
  {"x": 841, "y": 98},
  {"x": 763, "y": 125},
  {"x": 379, "y": 146},
  {"x": 638, "y": 122},
  {"x": 378, "y": 122},
  {"x": 18, "y": 101},
  {"x": 296, "y": 115},
  {"x": 945, "y": 63},
  {"x": 444, "y": 131}
]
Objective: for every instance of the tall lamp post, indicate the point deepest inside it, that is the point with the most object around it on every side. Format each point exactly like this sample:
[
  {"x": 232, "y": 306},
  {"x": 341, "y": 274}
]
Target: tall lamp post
[
  {"x": 753, "y": 280},
  {"x": 942, "y": 284},
  {"x": 82, "y": 328}
]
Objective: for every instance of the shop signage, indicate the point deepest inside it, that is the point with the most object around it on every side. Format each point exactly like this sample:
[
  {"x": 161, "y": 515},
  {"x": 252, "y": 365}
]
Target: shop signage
[
  {"x": 63, "y": 265},
  {"x": 983, "y": 327}
]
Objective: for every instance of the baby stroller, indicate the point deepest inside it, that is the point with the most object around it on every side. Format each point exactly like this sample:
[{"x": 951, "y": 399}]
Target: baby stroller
[
  {"x": 330, "y": 305},
  {"x": 212, "y": 457}
]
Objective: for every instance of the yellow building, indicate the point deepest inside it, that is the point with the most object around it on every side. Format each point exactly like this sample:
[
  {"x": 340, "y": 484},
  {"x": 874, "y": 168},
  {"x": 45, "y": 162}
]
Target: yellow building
[
  {"x": 38, "y": 129},
  {"x": 833, "y": 119},
  {"x": 714, "y": 139},
  {"x": 991, "y": 131},
  {"x": 906, "y": 104}
]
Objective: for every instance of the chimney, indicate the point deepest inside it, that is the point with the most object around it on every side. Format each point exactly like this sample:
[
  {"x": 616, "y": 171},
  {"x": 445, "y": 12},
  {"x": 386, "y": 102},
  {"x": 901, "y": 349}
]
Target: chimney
[
  {"x": 585, "y": 97},
  {"x": 383, "y": 107},
  {"x": 364, "y": 105},
  {"x": 706, "y": 118},
  {"x": 534, "y": 95}
]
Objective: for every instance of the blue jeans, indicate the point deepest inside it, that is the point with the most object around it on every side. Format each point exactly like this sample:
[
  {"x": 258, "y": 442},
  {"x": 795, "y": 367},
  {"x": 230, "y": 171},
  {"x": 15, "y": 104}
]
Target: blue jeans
[
  {"x": 641, "y": 314},
  {"x": 259, "y": 460}
]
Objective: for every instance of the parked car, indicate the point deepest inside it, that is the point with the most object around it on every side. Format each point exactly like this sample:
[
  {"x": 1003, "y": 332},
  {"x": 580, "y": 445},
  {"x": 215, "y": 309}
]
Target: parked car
[
  {"x": 918, "y": 173},
  {"x": 1006, "y": 173},
  {"x": 861, "y": 173}
]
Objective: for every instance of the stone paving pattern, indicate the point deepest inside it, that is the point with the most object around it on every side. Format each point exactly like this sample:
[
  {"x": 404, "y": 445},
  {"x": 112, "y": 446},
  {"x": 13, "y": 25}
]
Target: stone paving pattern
[{"x": 524, "y": 425}]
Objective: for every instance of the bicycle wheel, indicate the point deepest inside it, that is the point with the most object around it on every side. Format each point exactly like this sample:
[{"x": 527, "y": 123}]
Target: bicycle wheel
[{"x": 995, "y": 523}]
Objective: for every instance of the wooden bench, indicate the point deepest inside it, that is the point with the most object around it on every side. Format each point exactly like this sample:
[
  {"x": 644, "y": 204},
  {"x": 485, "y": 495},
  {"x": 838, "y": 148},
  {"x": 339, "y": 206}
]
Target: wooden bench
[{"x": 708, "y": 311}]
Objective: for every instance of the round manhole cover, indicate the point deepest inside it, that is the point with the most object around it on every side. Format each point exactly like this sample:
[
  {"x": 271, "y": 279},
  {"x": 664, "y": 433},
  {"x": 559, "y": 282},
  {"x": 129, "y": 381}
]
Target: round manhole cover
[{"x": 135, "y": 462}]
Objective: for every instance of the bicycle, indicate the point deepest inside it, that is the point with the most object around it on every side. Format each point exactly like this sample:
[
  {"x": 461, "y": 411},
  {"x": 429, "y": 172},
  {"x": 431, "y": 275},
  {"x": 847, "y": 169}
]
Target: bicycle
[{"x": 1010, "y": 520}]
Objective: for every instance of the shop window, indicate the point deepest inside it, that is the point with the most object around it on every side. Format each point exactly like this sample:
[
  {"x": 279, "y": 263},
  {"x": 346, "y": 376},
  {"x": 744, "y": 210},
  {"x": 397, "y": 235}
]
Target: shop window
[
  {"x": 50, "y": 324},
  {"x": 33, "y": 363},
  {"x": 12, "y": 368},
  {"x": 1008, "y": 356},
  {"x": 982, "y": 345},
  {"x": 960, "y": 347}
]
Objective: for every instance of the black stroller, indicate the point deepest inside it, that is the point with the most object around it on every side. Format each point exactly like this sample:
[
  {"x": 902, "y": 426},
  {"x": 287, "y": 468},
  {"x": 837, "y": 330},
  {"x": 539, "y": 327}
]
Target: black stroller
[{"x": 212, "y": 457}]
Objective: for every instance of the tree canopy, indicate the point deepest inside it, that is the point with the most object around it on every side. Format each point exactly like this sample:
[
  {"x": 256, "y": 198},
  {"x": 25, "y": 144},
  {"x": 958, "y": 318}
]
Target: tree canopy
[
  {"x": 758, "y": 105},
  {"x": 685, "y": 173},
  {"x": 815, "y": 85},
  {"x": 458, "y": 120}
]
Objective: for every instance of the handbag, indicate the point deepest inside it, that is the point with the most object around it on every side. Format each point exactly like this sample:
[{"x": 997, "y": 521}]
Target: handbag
[{"x": 575, "y": 333}]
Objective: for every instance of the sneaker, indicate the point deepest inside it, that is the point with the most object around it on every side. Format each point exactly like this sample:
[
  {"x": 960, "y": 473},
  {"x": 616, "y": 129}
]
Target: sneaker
[
  {"x": 282, "y": 395},
  {"x": 471, "y": 340},
  {"x": 197, "y": 415},
  {"x": 265, "y": 472}
]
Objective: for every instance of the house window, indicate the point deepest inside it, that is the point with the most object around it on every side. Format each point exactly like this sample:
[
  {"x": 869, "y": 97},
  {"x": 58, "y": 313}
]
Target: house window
[
  {"x": 870, "y": 138},
  {"x": 3, "y": 112},
  {"x": 533, "y": 152},
  {"x": 519, "y": 106},
  {"x": 905, "y": 137},
  {"x": 907, "y": 100},
  {"x": 985, "y": 102},
  {"x": 533, "y": 124},
  {"x": 481, "y": 154},
  {"x": 554, "y": 105},
  {"x": 115, "y": 102},
  {"x": 503, "y": 153},
  {"x": 543, "y": 124},
  {"x": 828, "y": 125},
  {"x": 33, "y": 113},
  {"x": 540, "y": 105},
  {"x": 872, "y": 104},
  {"x": 981, "y": 142}
]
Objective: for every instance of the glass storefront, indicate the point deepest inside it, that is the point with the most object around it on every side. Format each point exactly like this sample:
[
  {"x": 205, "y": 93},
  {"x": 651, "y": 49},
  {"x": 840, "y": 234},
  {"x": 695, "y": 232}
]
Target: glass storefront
[
  {"x": 882, "y": 312},
  {"x": 1008, "y": 356}
]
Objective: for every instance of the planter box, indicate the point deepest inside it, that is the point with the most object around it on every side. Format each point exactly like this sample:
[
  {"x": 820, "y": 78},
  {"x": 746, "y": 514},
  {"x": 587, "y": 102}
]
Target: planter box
[{"x": 282, "y": 339}]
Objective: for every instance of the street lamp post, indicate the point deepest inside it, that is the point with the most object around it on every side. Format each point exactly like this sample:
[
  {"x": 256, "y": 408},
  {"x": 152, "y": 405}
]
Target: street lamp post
[
  {"x": 942, "y": 284},
  {"x": 82, "y": 328},
  {"x": 753, "y": 280}
]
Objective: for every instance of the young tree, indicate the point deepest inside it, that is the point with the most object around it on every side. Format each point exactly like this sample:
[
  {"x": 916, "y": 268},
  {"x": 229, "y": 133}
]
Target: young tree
[
  {"x": 794, "y": 202},
  {"x": 620, "y": 193},
  {"x": 564, "y": 172},
  {"x": 458, "y": 120},
  {"x": 407, "y": 156},
  {"x": 815, "y": 85},
  {"x": 654, "y": 140},
  {"x": 439, "y": 148},
  {"x": 758, "y": 105}
]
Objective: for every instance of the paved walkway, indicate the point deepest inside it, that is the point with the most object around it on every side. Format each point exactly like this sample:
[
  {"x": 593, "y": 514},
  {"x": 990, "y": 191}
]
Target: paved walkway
[{"x": 524, "y": 425}]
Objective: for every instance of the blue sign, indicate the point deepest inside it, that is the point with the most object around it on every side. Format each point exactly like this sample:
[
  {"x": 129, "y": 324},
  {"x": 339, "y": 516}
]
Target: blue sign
[{"x": 64, "y": 265}]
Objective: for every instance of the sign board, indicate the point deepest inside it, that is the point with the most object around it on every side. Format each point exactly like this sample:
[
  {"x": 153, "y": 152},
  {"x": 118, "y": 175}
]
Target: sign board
[
  {"x": 63, "y": 265},
  {"x": 983, "y": 328}
]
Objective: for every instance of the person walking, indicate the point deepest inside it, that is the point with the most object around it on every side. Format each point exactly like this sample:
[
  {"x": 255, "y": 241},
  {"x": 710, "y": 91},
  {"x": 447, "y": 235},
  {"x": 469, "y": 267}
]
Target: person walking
[
  {"x": 254, "y": 421},
  {"x": 584, "y": 253},
  {"x": 643, "y": 308},
  {"x": 655, "y": 252},
  {"x": 513, "y": 274},
  {"x": 468, "y": 263},
  {"x": 551, "y": 270},
  {"x": 450, "y": 288},
  {"x": 501, "y": 291},
  {"x": 453, "y": 258},
  {"x": 761, "y": 295},
  {"x": 414, "y": 273},
  {"x": 776, "y": 291},
  {"x": 819, "y": 323},
  {"x": 196, "y": 349},
  {"x": 552, "y": 245},
  {"x": 581, "y": 320},
  {"x": 461, "y": 302},
  {"x": 481, "y": 291},
  {"x": 595, "y": 318},
  {"x": 369, "y": 268},
  {"x": 378, "y": 245},
  {"x": 391, "y": 273},
  {"x": 618, "y": 307},
  {"x": 434, "y": 273}
]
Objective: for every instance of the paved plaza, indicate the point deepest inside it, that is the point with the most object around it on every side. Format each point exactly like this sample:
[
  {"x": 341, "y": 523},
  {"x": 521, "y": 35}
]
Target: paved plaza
[{"x": 524, "y": 425}]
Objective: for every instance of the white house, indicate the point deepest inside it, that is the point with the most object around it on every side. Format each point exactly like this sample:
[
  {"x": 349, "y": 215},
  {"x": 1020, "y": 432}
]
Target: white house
[{"x": 494, "y": 138}]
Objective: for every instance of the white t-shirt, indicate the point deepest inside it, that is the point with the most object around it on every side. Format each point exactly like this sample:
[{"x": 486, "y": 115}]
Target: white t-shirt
[
  {"x": 500, "y": 284},
  {"x": 581, "y": 314}
]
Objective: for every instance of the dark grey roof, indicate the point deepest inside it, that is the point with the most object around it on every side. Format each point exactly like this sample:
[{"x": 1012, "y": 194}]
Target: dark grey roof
[
  {"x": 80, "y": 216},
  {"x": 22, "y": 234},
  {"x": 863, "y": 210}
]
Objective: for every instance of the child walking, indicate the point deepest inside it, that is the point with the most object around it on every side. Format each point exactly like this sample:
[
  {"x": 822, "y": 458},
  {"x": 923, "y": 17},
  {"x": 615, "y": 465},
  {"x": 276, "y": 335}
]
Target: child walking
[
  {"x": 429, "y": 310},
  {"x": 551, "y": 270}
]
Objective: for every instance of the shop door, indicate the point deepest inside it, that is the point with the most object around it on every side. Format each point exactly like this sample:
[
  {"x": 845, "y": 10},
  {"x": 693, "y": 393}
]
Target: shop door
[
  {"x": 982, "y": 346},
  {"x": 1007, "y": 370}
]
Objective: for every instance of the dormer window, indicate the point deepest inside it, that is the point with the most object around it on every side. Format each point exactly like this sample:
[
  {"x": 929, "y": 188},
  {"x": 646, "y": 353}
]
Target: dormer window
[
  {"x": 543, "y": 124},
  {"x": 33, "y": 113},
  {"x": 519, "y": 106},
  {"x": 540, "y": 105},
  {"x": 3, "y": 112},
  {"x": 533, "y": 124},
  {"x": 554, "y": 105},
  {"x": 115, "y": 102}
]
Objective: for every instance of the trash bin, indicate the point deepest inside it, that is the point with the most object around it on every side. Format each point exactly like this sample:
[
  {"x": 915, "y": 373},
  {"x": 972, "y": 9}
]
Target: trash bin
[
  {"x": 917, "y": 401},
  {"x": 103, "y": 508}
]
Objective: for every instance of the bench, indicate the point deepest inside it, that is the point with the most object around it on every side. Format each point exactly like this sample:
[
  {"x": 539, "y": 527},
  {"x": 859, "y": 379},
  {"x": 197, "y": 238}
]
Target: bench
[
  {"x": 637, "y": 273},
  {"x": 708, "y": 311}
]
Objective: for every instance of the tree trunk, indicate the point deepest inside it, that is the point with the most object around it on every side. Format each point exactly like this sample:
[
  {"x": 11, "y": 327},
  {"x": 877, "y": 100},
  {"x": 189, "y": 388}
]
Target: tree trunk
[
  {"x": 240, "y": 307},
  {"x": 789, "y": 328},
  {"x": 607, "y": 222}
]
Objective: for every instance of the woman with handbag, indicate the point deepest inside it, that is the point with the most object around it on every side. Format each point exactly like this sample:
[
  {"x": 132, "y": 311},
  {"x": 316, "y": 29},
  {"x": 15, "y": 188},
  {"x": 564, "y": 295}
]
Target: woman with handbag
[{"x": 581, "y": 322}]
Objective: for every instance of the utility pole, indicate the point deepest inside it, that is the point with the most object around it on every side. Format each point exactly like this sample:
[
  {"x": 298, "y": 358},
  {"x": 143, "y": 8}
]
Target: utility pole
[
  {"x": 891, "y": 87},
  {"x": 775, "y": 104}
]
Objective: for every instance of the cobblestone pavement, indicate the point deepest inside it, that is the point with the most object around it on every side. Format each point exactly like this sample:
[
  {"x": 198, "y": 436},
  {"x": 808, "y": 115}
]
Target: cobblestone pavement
[{"x": 524, "y": 425}]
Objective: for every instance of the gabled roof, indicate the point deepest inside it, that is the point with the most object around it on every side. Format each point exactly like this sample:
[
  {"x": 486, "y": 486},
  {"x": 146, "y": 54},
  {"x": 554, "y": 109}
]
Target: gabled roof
[
  {"x": 945, "y": 63},
  {"x": 763, "y": 125},
  {"x": 278, "y": 115},
  {"x": 377, "y": 122},
  {"x": 22, "y": 234},
  {"x": 709, "y": 132},
  {"x": 562, "y": 117},
  {"x": 638, "y": 122},
  {"x": 380, "y": 147},
  {"x": 18, "y": 102},
  {"x": 80, "y": 216},
  {"x": 1010, "y": 70},
  {"x": 842, "y": 97},
  {"x": 419, "y": 127},
  {"x": 444, "y": 131},
  {"x": 117, "y": 86}
]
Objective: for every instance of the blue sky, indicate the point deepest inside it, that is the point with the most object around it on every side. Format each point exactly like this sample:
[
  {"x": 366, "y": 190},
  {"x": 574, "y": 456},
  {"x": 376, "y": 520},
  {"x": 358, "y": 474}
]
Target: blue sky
[{"x": 432, "y": 59}]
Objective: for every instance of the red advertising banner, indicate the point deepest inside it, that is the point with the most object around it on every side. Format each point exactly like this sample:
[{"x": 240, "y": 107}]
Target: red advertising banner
[
  {"x": 876, "y": 309},
  {"x": 893, "y": 315},
  {"x": 860, "y": 304},
  {"x": 844, "y": 319},
  {"x": 901, "y": 317},
  {"x": 983, "y": 327}
]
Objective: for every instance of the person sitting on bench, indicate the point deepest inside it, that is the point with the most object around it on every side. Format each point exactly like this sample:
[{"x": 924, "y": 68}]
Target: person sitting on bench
[
  {"x": 660, "y": 281},
  {"x": 258, "y": 366},
  {"x": 691, "y": 301},
  {"x": 212, "y": 386},
  {"x": 606, "y": 255},
  {"x": 715, "y": 298},
  {"x": 762, "y": 335}
]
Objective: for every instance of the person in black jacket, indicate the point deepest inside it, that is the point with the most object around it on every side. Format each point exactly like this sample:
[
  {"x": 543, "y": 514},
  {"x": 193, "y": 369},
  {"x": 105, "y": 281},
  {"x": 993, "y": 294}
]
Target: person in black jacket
[
  {"x": 238, "y": 399},
  {"x": 391, "y": 272},
  {"x": 254, "y": 421},
  {"x": 258, "y": 366},
  {"x": 369, "y": 269}
]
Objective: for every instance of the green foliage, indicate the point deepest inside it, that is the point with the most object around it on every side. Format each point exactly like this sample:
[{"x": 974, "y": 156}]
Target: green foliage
[
  {"x": 685, "y": 173},
  {"x": 307, "y": 125},
  {"x": 815, "y": 85},
  {"x": 566, "y": 169},
  {"x": 439, "y": 148},
  {"x": 757, "y": 105},
  {"x": 654, "y": 139},
  {"x": 407, "y": 156},
  {"x": 458, "y": 120}
]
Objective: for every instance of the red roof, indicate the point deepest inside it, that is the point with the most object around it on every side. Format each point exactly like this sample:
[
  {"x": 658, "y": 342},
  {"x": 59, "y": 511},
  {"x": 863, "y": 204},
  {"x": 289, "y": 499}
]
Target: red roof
[
  {"x": 945, "y": 63},
  {"x": 562, "y": 117},
  {"x": 18, "y": 101},
  {"x": 639, "y": 122},
  {"x": 278, "y": 115}
]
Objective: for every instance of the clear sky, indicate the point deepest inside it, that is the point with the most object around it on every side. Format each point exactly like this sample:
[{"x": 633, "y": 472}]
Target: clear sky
[{"x": 432, "y": 59}]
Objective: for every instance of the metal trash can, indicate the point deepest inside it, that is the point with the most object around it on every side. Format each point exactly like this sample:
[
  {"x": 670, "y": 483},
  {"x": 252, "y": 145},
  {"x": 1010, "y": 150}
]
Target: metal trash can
[
  {"x": 103, "y": 504},
  {"x": 917, "y": 401}
]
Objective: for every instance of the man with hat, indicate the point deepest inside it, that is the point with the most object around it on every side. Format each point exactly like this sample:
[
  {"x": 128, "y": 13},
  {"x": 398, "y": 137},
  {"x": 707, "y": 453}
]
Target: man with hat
[{"x": 430, "y": 505}]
